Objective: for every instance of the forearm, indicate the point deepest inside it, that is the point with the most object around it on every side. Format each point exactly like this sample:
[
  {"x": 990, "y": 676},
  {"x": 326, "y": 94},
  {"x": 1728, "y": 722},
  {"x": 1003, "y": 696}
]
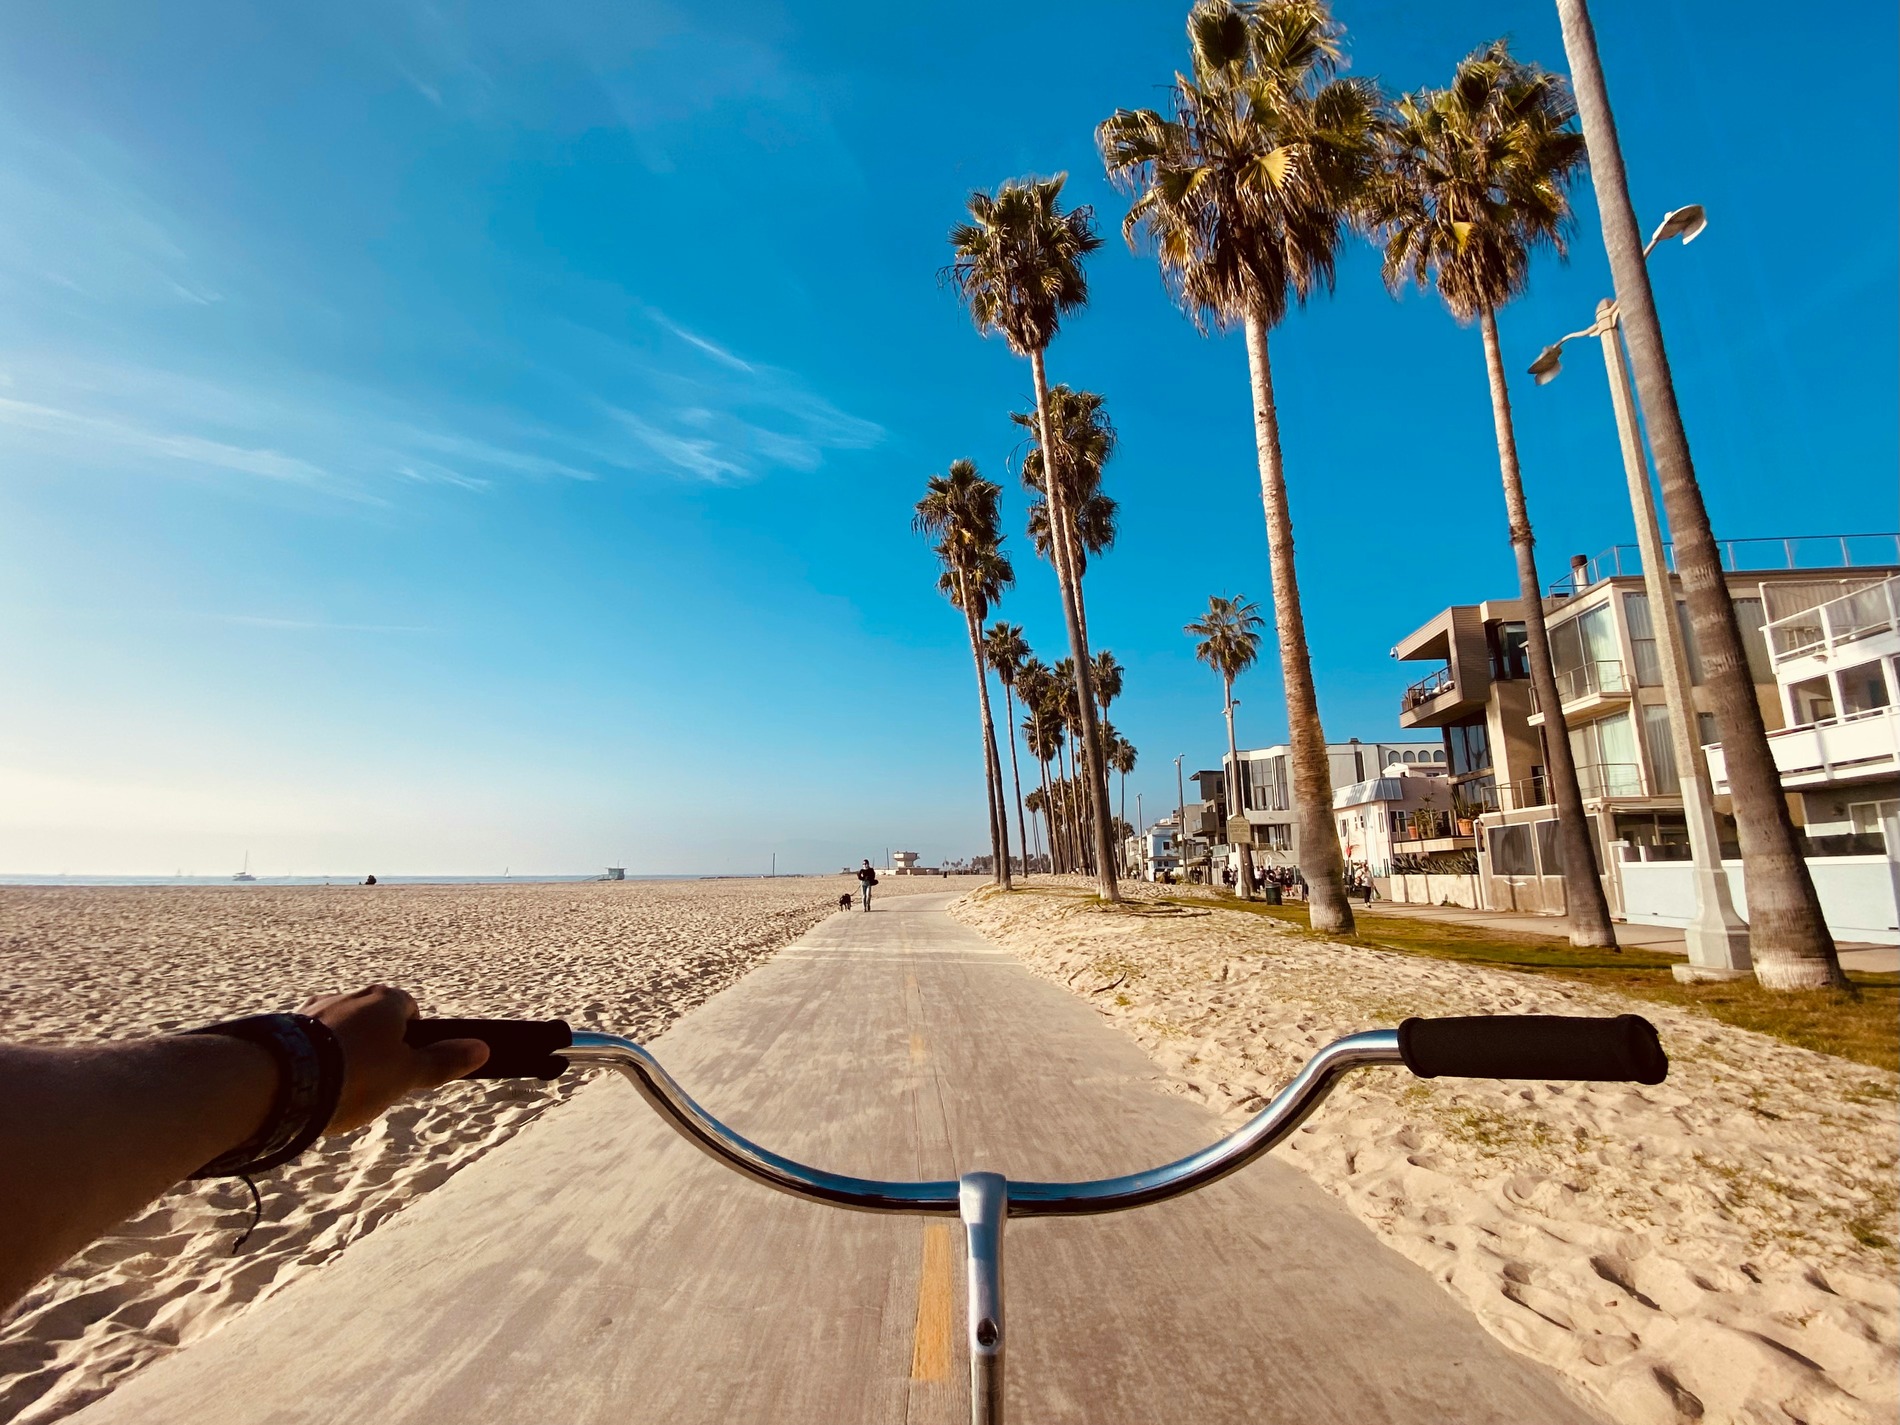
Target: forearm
[{"x": 109, "y": 1128}]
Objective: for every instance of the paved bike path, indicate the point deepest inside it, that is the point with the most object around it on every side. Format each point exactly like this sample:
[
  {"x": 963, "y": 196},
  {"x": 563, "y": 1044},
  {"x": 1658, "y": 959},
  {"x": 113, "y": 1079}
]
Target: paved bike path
[{"x": 597, "y": 1269}]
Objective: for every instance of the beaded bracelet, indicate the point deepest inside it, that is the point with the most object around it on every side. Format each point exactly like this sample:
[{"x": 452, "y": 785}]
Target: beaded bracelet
[{"x": 309, "y": 1083}]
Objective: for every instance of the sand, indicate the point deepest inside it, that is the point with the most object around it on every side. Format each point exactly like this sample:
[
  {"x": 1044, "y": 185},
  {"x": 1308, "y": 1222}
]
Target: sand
[
  {"x": 1716, "y": 1248},
  {"x": 86, "y": 964}
]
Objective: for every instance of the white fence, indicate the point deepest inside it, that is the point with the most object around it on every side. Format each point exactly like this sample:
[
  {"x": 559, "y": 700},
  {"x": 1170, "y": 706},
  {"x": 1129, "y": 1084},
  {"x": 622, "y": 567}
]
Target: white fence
[{"x": 1860, "y": 895}]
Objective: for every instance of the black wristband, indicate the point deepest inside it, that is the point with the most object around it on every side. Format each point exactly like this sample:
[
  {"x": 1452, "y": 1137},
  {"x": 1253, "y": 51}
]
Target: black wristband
[{"x": 309, "y": 1083}]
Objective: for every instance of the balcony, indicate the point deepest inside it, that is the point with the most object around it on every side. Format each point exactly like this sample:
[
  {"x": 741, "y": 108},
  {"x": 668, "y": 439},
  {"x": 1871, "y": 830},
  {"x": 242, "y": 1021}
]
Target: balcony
[
  {"x": 1838, "y": 750},
  {"x": 1746, "y": 556},
  {"x": 1422, "y": 830},
  {"x": 1439, "y": 680},
  {"x": 1588, "y": 688},
  {"x": 1829, "y": 628}
]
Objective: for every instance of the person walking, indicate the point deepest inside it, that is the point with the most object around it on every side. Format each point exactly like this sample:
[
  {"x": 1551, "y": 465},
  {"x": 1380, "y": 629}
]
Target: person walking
[{"x": 866, "y": 879}]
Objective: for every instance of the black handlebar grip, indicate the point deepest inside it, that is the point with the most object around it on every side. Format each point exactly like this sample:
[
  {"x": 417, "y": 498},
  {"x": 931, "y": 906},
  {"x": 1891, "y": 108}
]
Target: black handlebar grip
[
  {"x": 1535, "y": 1046},
  {"x": 517, "y": 1048}
]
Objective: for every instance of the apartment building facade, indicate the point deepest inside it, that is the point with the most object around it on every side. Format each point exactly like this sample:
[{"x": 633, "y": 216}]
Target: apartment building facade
[{"x": 1609, "y": 677}]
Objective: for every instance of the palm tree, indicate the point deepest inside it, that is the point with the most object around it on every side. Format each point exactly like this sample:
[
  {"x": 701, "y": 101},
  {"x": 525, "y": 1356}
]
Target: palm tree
[
  {"x": 1787, "y": 932},
  {"x": 1036, "y": 805},
  {"x": 958, "y": 510},
  {"x": 1084, "y": 441},
  {"x": 1230, "y": 642},
  {"x": 1003, "y": 646},
  {"x": 1243, "y": 191},
  {"x": 1108, "y": 679},
  {"x": 1122, "y": 758},
  {"x": 1042, "y": 733},
  {"x": 1477, "y": 179},
  {"x": 1017, "y": 265},
  {"x": 1075, "y": 806}
]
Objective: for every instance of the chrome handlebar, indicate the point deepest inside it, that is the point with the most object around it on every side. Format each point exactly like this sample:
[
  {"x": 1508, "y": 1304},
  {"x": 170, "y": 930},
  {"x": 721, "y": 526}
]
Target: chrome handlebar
[{"x": 1289, "y": 1109}]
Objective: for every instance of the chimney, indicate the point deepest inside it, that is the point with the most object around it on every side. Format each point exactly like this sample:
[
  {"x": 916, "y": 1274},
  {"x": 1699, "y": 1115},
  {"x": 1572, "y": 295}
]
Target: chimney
[{"x": 1579, "y": 572}]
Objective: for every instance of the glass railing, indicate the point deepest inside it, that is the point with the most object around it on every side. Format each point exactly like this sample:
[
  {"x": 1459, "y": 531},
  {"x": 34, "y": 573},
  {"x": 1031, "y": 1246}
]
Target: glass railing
[
  {"x": 1605, "y": 677},
  {"x": 1439, "y": 680},
  {"x": 1852, "y": 616},
  {"x": 1743, "y": 556}
]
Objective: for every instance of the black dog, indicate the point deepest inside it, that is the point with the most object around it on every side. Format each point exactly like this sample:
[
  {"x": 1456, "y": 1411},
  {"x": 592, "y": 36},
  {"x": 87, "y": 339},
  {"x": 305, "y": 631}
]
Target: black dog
[{"x": 844, "y": 901}]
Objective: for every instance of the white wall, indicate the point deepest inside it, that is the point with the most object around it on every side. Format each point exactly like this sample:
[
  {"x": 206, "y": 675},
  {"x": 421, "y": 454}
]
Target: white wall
[{"x": 1860, "y": 895}]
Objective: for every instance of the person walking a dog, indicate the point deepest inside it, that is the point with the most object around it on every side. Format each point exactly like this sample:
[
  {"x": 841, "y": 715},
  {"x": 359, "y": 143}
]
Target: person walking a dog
[{"x": 866, "y": 879}]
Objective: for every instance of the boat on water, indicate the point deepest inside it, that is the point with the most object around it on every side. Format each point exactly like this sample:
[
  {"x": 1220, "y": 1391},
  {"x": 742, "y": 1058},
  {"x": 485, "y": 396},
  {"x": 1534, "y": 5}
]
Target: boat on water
[{"x": 245, "y": 874}]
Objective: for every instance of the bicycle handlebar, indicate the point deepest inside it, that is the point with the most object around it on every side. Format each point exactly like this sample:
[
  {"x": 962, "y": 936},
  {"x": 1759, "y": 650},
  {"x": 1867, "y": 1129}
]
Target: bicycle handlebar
[
  {"x": 1498, "y": 1046},
  {"x": 1535, "y": 1046},
  {"x": 517, "y": 1048}
]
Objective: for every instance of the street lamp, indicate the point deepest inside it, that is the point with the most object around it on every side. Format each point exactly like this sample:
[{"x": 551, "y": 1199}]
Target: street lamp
[
  {"x": 1180, "y": 815},
  {"x": 1717, "y": 938}
]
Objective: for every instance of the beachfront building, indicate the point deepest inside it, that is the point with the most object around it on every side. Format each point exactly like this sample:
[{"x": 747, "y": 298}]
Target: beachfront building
[
  {"x": 1609, "y": 677},
  {"x": 1158, "y": 849},
  {"x": 1265, "y": 818},
  {"x": 1398, "y": 829},
  {"x": 1837, "y": 679}
]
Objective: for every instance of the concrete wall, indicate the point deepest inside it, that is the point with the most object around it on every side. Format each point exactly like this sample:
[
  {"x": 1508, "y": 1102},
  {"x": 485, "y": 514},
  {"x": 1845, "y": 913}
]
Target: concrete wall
[
  {"x": 1860, "y": 895},
  {"x": 1429, "y": 890}
]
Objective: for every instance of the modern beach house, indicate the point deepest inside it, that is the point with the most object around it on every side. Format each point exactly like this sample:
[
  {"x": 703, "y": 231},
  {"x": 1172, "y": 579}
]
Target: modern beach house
[{"x": 1478, "y": 698}]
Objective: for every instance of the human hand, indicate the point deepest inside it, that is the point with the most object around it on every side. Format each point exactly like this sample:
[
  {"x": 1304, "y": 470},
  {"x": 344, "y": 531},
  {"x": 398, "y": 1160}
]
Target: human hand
[{"x": 378, "y": 1067}]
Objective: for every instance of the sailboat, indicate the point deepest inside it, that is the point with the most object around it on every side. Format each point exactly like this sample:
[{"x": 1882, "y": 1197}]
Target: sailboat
[{"x": 245, "y": 874}]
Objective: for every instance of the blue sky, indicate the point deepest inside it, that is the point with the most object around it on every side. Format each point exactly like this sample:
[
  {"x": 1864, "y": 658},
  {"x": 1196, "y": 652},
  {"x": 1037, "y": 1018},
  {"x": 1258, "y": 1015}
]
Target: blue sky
[{"x": 449, "y": 437}]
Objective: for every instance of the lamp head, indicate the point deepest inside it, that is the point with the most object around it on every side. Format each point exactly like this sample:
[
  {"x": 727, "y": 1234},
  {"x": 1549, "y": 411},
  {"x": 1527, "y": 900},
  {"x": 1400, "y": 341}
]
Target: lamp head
[
  {"x": 1686, "y": 223},
  {"x": 1549, "y": 362}
]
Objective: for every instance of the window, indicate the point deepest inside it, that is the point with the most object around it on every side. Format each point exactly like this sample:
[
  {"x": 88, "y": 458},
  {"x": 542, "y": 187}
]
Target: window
[
  {"x": 1274, "y": 835},
  {"x": 1863, "y": 689},
  {"x": 1550, "y": 849},
  {"x": 1510, "y": 657},
  {"x": 1605, "y": 754},
  {"x": 1690, "y": 648},
  {"x": 1470, "y": 748},
  {"x": 1438, "y": 755},
  {"x": 1659, "y": 745},
  {"x": 1264, "y": 785},
  {"x": 1411, "y": 757},
  {"x": 1749, "y": 616},
  {"x": 1585, "y": 655},
  {"x": 1810, "y": 702},
  {"x": 1643, "y": 650},
  {"x": 1705, "y": 729},
  {"x": 1511, "y": 851}
]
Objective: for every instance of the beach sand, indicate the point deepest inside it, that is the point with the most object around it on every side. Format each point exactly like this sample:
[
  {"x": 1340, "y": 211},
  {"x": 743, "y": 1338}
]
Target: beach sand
[
  {"x": 85, "y": 964},
  {"x": 1718, "y": 1248}
]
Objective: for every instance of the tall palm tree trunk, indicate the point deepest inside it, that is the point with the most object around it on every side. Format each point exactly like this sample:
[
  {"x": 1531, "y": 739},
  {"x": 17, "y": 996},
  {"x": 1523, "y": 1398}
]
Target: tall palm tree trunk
[
  {"x": 1095, "y": 766},
  {"x": 992, "y": 769},
  {"x": 1584, "y": 903},
  {"x": 1121, "y": 841},
  {"x": 1015, "y": 776},
  {"x": 1320, "y": 860},
  {"x": 1071, "y": 832},
  {"x": 1787, "y": 932},
  {"x": 1049, "y": 821}
]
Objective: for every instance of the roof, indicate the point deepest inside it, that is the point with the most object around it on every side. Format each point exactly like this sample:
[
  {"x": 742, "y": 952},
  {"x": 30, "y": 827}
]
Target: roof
[{"x": 1379, "y": 789}]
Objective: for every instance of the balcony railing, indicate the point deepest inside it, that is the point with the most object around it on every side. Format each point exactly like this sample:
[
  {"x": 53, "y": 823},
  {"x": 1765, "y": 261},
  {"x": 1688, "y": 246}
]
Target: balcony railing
[
  {"x": 1611, "y": 779},
  {"x": 1742, "y": 556},
  {"x": 1439, "y": 680},
  {"x": 1828, "y": 626},
  {"x": 1603, "y": 678},
  {"x": 1862, "y": 744},
  {"x": 1428, "y": 824}
]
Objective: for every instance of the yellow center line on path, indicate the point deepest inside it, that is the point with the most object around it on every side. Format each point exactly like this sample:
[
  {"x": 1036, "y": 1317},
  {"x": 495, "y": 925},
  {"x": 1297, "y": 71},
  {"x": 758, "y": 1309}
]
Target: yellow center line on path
[{"x": 930, "y": 1347}]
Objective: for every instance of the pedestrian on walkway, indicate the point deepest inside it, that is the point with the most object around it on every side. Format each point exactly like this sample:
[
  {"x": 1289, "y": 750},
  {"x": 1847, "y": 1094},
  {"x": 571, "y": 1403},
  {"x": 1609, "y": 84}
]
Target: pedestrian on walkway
[{"x": 866, "y": 879}]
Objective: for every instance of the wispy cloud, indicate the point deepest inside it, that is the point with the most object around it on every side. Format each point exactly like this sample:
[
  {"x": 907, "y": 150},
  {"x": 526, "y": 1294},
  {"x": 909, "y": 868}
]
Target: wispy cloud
[
  {"x": 79, "y": 430},
  {"x": 711, "y": 348},
  {"x": 297, "y": 625}
]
